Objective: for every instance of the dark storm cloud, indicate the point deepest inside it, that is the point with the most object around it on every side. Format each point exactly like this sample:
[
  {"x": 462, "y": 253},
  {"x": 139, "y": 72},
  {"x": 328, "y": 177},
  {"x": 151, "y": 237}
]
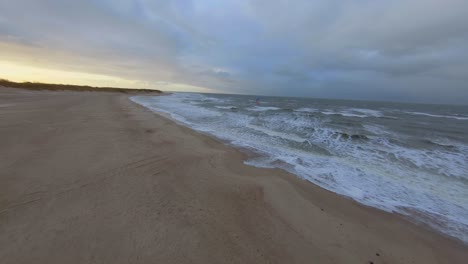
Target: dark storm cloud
[{"x": 365, "y": 49}]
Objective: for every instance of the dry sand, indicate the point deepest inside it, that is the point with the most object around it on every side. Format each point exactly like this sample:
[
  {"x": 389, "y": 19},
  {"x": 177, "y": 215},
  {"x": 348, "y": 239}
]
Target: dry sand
[{"x": 94, "y": 178}]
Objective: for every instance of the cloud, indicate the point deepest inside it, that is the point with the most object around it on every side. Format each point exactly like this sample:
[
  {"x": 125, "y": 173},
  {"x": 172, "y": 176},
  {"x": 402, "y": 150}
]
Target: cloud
[{"x": 386, "y": 50}]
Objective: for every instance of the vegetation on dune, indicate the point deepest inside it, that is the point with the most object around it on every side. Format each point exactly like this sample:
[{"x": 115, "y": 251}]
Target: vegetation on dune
[{"x": 69, "y": 87}]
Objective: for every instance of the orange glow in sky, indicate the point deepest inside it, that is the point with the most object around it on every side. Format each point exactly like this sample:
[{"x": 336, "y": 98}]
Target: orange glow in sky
[{"x": 24, "y": 73}]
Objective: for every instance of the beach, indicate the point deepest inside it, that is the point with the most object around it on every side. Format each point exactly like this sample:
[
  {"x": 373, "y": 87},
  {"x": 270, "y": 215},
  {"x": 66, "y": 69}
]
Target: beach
[{"x": 90, "y": 177}]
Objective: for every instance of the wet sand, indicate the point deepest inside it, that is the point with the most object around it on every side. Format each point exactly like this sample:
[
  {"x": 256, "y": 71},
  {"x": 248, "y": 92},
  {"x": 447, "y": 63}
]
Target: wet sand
[{"x": 90, "y": 177}]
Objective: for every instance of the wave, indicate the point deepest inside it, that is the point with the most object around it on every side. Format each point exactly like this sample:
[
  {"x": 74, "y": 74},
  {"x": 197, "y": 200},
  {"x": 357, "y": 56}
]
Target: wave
[
  {"x": 389, "y": 117},
  {"x": 287, "y": 136},
  {"x": 348, "y": 114},
  {"x": 262, "y": 108},
  {"x": 306, "y": 110},
  {"x": 213, "y": 99},
  {"x": 352, "y": 136},
  {"x": 367, "y": 112},
  {"x": 230, "y": 107},
  {"x": 351, "y": 112},
  {"x": 438, "y": 116},
  {"x": 430, "y": 142}
]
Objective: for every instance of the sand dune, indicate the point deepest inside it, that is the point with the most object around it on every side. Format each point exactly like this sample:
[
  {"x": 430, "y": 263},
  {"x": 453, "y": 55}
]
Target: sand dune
[{"x": 94, "y": 178}]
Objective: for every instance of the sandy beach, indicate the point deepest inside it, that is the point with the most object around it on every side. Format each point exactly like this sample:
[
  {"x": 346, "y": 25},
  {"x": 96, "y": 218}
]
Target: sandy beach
[{"x": 90, "y": 177}]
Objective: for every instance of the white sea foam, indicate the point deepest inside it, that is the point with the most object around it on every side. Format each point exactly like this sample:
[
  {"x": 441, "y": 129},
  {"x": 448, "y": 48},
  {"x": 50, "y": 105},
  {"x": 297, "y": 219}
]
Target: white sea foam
[
  {"x": 367, "y": 112},
  {"x": 273, "y": 133},
  {"x": 349, "y": 114},
  {"x": 262, "y": 108},
  {"x": 343, "y": 113},
  {"x": 307, "y": 110},
  {"x": 225, "y": 107},
  {"x": 377, "y": 130},
  {"x": 438, "y": 116},
  {"x": 354, "y": 112}
]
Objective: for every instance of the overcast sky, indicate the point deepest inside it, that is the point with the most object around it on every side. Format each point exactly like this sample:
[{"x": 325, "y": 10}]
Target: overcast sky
[{"x": 403, "y": 50}]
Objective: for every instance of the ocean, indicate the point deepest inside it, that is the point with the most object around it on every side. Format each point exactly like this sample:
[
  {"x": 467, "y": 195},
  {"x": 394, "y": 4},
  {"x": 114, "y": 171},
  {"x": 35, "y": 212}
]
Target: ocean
[{"x": 406, "y": 158}]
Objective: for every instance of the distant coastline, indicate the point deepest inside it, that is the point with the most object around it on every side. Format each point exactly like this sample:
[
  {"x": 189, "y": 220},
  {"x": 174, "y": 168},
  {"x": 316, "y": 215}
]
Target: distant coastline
[{"x": 37, "y": 86}]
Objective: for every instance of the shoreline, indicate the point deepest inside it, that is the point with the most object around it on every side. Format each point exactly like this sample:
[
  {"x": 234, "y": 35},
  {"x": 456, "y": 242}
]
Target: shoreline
[
  {"x": 103, "y": 179},
  {"x": 252, "y": 153},
  {"x": 247, "y": 153}
]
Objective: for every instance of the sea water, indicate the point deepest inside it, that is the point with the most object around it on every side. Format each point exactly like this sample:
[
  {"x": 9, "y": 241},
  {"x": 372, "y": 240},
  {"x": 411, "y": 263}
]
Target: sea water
[{"x": 405, "y": 158}]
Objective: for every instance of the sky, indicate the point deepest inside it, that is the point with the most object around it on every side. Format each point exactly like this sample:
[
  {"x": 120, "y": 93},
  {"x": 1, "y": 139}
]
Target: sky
[{"x": 399, "y": 50}]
